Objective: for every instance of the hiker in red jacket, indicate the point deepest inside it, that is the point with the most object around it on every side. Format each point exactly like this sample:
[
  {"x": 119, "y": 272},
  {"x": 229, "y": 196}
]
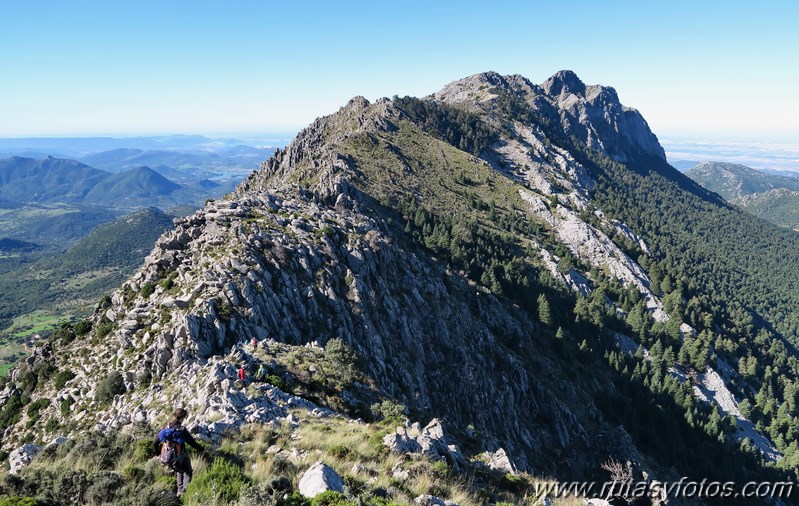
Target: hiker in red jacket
[
  {"x": 182, "y": 466},
  {"x": 242, "y": 374}
]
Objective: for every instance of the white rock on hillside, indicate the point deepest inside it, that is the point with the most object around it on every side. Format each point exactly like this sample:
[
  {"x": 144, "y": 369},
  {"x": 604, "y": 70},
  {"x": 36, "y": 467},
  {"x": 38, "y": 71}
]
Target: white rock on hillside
[
  {"x": 431, "y": 500},
  {"x": 431, "y": 441},
  {"x": 320, "y": 478},
  {"x": 712, "y": 389},
  {"x": 499, "y": 461},
  {"x": 21, "y": 457}
]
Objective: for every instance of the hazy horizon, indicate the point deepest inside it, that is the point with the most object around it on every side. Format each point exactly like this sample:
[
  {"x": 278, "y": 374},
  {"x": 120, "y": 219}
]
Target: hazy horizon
[{"x": 92, "y": 68}]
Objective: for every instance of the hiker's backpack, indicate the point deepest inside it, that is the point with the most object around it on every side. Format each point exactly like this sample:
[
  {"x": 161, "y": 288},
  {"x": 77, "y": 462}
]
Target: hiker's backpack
[{"x": 171, "y": 446}]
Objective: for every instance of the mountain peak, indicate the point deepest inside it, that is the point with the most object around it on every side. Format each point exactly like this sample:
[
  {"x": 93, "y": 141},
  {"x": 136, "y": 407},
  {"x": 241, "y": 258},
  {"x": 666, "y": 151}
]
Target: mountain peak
[
  {"x": 358, "y": 102},
  {"x": 564, "y": 81}
]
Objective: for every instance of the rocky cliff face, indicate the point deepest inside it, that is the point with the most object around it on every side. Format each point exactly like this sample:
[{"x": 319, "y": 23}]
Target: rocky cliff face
[
  {"x": 317, "y": 244},
  {"x": 592, "y": 114}
]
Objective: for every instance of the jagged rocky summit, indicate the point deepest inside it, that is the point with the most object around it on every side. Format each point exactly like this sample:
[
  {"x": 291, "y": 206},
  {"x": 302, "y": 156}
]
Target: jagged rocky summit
[{"x": 323, "y": 242}]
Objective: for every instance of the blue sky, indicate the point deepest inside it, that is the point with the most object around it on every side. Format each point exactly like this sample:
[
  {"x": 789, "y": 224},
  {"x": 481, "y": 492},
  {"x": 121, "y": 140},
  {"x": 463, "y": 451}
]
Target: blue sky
[{"x": 701, "y": 68}]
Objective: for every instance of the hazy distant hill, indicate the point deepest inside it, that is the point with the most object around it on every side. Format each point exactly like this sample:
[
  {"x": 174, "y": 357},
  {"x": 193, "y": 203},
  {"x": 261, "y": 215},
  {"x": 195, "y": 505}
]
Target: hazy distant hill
[
  {"x": 50, "y": 224},
  {"x": 770, "y": 196},
  {"x": 131, "y": 186},
  {"x": 121, "y": 243},
  {"x": 733, "y": 181},
  {"x": 77, "y": 276},
  {"x": 183, "y": 165},
  {"x": 53, "y": 180},
  {"x": 121, "y": 159}
]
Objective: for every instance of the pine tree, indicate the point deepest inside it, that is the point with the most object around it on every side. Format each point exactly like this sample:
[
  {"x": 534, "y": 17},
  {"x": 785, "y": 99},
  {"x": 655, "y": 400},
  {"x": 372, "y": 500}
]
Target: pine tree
[{"x": 544, "y": 311}]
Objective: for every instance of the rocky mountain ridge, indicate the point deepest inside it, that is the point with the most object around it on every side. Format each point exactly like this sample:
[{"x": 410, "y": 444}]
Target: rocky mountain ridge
[{"x": 453, "y": 243}]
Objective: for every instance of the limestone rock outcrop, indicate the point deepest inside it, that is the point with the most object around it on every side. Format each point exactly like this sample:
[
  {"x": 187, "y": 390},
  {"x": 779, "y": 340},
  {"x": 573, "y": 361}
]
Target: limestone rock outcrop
[{"x": 320, "y": 478}]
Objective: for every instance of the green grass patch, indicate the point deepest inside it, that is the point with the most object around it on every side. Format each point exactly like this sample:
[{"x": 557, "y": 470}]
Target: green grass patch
[{"x": 35, "y": 322}]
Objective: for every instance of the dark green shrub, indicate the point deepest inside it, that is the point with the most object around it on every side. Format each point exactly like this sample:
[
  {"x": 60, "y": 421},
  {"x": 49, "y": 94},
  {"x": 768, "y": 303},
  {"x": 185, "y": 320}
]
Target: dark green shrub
[
  {"x": 104, "y": 329},
  {"x": 62, "y": 377},
  {"x": 340, "y": 352},
  {"x": 65, "y": 332},
  {"x": 19, "y": 501},
  {"x": 12, "y": 411},
  {"x": 225, "y": 311},
  {"x": 104, "y": 488},
  {"x": 65, "y": 405},
  {"x": 275, "y": 380},
  {"x": 339, "y": 451},
  {"x": 147, "y": 289},
  {"x": 440, "y": 469},
  {"x": 295, "y": 499},
  {"x": 222, "y": 483},
  {"x": 134, "y": 474},
  {"x": 157, "y": 494},
  {"x": 36, "y": 406},
  {"x": 52, "y": 425},
  {"x": 143, "y": 449},
  {"x": 68, "y": 488},
  {"x": 331, "y": 498},
  {"x": 387, "y": 410},
  {"x": 514, "y": 483},
  {"x": 83, "y": 327},
  {"x": 145, "y": 378},
  {"x": 110, "y": 386}
]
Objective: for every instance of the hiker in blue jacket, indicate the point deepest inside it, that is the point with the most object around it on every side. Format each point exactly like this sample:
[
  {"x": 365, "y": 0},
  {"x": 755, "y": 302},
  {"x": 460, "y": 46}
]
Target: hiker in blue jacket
[{"x": 182, "y": 466}]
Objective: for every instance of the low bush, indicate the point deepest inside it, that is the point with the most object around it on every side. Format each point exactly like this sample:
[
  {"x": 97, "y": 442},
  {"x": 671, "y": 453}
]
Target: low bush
[
  {"x": 220, "y": 484},
  {"x": 275, "y": 380},
  {"x": 83, "y": 327},
  {"x": 331, "y": 498},
  {"x": 388, "y": 410},
  {"x": 147, "y": 289},
  {"x": 110, "y": 386},
  {"x": 65, "y": 405},
  {"x": 104, "y": 329},
  {"x": 143, "y": 450},
  {"x": 19, "y": 501},
  {"x": 105, "y": 487},
  {"x": 339, "y": 451},
  {"x": 340, "y": 352},
  {"x": 62, "y": 377},
  {"x": 36, "y": 406}
]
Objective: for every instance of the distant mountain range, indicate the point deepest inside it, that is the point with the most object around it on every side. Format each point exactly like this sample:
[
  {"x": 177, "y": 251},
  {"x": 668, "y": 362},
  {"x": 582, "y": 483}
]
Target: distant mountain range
[
  {"x": 76, "y": 147},
  {"x": 184, "y": 159},
  {"x": 54, "y": 180},
  {"x": 770, "y": 196},
  {"x": 183, "y": 166}
]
